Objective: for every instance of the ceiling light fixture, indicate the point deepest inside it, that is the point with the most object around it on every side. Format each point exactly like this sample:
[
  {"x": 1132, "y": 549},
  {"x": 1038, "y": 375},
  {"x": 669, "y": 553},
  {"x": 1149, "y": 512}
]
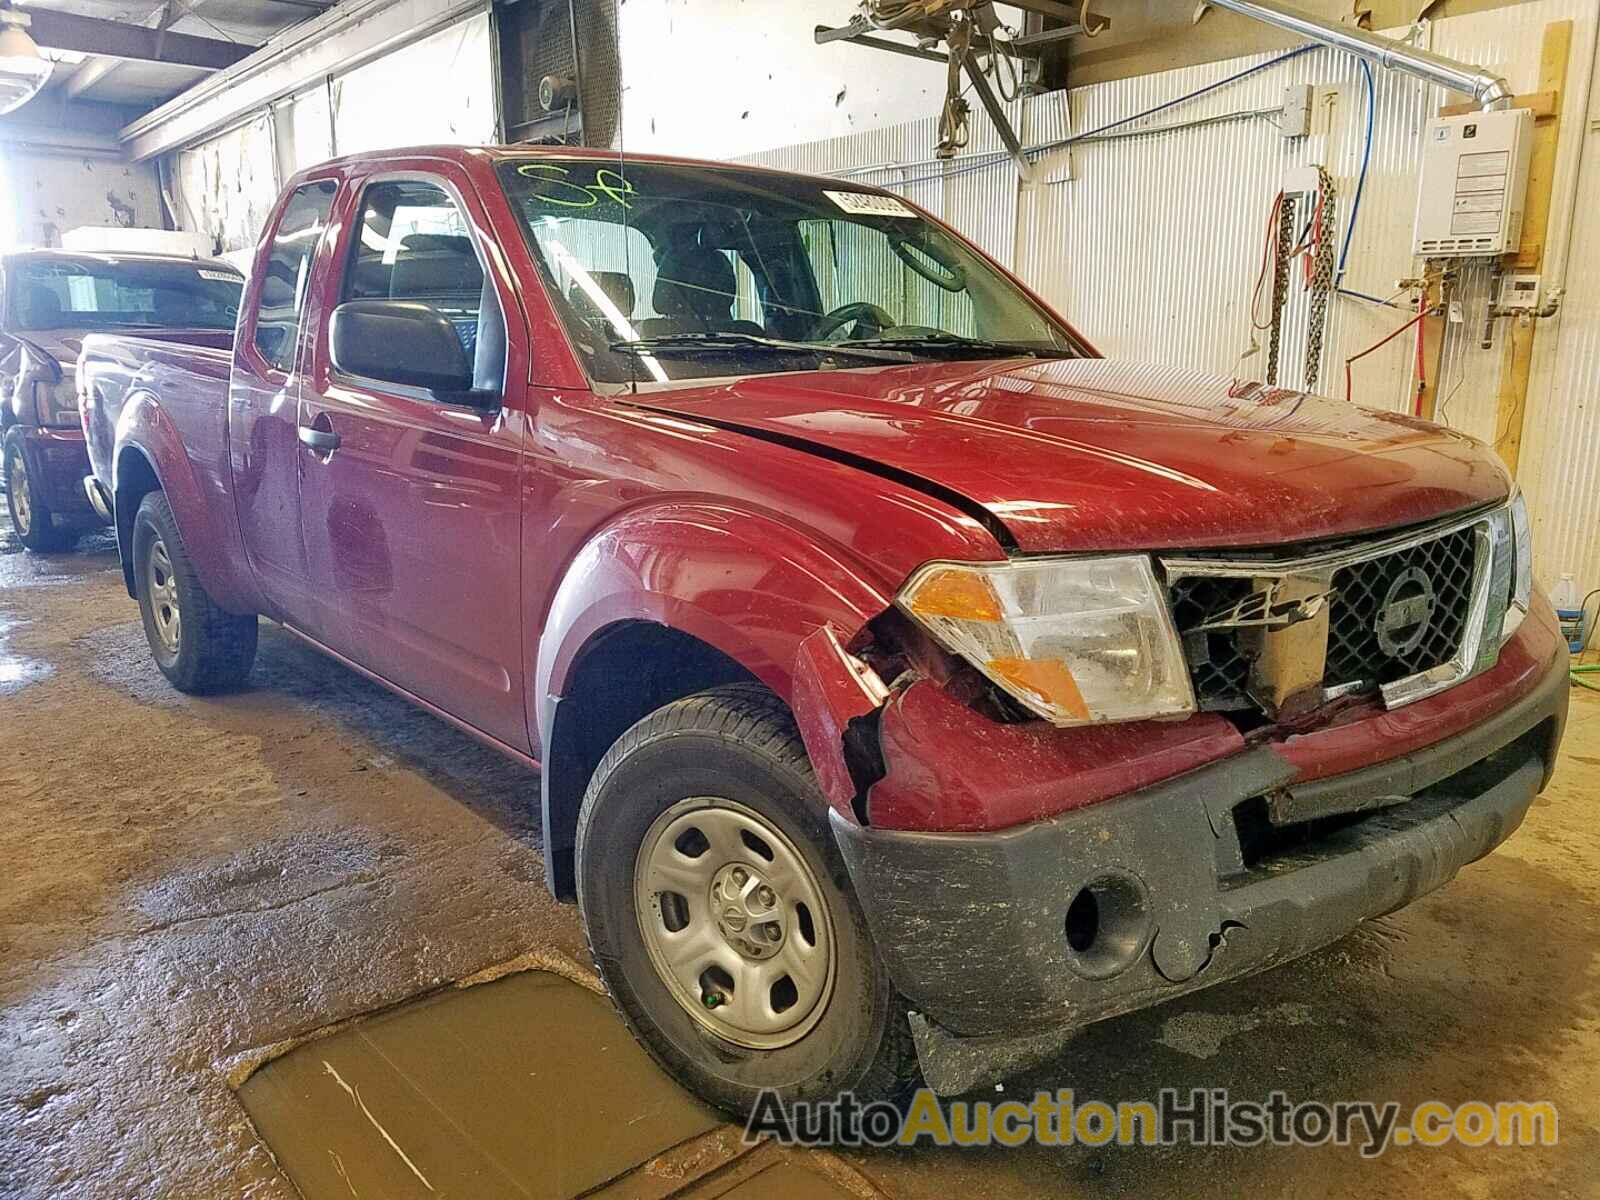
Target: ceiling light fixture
[{"x": 23, "y": 70}]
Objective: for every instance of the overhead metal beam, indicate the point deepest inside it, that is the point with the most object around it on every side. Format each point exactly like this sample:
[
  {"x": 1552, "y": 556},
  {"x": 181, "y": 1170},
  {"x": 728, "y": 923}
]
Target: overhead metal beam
[
  {"x": 91, "y": 73},
  {"x": 113, "y": 39}
]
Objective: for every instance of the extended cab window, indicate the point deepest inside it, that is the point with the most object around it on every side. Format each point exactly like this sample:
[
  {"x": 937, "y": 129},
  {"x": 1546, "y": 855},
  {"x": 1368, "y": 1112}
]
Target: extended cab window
[
  {"x": 283, "y": 287},
  {"x": 412, "y": 244}
]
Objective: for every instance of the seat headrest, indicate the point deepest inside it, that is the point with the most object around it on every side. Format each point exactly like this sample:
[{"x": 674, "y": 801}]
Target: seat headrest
[
  {"x": 693, "y": 281},
  {"x": 433, "y": 263},
  {"x": 618, "y": 288},
  {"x": 41, "y": 307}
]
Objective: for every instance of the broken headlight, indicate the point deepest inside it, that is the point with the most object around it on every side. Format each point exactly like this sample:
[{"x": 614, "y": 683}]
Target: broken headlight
[
  {"x": 1075, "y": 640},
  {"x": 1522, "y": 575}
]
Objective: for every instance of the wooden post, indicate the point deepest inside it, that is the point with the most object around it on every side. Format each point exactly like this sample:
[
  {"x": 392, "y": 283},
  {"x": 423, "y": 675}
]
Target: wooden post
[
  {"x": 1512, "y": 403},
  {"x": 1433, "y": 327}
]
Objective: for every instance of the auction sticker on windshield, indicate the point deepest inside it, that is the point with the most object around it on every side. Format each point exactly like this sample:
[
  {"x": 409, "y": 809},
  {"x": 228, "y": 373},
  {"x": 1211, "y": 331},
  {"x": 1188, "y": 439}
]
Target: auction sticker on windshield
[{"x": 869, "y": 204}]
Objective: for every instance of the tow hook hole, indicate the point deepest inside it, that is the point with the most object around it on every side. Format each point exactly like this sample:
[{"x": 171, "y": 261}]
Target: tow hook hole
[
  {"x": 1083, "y": 921},
  {"x": 1108, "y": 925},
  {"x": 755, "y": 844}
]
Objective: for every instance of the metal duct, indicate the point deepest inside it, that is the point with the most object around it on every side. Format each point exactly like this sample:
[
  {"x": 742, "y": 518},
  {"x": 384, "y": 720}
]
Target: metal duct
[{"x": 1489, "y": 90}]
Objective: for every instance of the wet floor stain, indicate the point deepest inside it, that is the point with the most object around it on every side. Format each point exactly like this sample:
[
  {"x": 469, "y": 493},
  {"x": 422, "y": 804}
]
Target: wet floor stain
[
  {"x": 16, "y": 670},
  {"x": 527, "y": 1086}
]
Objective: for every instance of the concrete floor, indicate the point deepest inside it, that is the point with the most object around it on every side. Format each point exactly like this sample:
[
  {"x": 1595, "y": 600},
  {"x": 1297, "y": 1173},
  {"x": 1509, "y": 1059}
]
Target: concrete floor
[{"x": 189, "y": 883}]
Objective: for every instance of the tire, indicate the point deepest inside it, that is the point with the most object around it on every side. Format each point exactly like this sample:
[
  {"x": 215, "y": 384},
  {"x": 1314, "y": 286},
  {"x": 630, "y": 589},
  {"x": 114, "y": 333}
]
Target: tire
[
  {"x": 30, "y": 515},
  {"x": 730, "y": 759},
  {"x": 199, "y": 647}
]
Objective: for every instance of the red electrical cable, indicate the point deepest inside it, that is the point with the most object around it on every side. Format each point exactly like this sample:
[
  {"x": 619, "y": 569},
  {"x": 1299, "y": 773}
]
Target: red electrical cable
[
  {"x": 1387, "y": 338},
  {"x": 1266, "y": 258}
]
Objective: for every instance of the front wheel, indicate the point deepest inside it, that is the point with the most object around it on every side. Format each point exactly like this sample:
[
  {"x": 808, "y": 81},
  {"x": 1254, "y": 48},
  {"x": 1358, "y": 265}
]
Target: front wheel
[
  {"x": 720, "y": 913},
  {"x": 30, "y": 515},
  {"x": 198, "y": 646}
]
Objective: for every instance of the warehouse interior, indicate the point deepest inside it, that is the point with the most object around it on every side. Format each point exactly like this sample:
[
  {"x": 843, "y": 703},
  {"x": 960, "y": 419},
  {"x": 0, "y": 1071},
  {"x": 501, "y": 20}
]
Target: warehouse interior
[{"x": 1336, "y": 265}]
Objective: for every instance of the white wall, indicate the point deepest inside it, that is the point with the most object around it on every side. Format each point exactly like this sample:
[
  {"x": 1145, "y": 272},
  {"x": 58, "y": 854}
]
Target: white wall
[
  {"x": 51, "y": 192},
  {"x": 225, "y": 185},
  {"x": 723, "y": 78}
]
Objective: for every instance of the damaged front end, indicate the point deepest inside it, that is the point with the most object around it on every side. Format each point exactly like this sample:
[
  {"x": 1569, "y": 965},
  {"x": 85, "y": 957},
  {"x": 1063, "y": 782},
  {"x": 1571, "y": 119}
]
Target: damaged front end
[{"x": 1023, "y": 880}]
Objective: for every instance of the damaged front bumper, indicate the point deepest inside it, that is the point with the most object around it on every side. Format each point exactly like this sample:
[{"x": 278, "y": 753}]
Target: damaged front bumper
[{"x": 1007, "y": 942}]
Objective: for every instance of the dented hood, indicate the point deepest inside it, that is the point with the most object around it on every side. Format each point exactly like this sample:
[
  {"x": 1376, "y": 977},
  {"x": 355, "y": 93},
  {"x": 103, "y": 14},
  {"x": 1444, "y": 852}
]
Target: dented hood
[{"x": 1098, "y": 454}]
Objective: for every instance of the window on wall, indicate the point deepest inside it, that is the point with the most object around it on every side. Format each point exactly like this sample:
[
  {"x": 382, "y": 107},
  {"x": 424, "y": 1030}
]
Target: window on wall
[{"x": 283, "y": 285}]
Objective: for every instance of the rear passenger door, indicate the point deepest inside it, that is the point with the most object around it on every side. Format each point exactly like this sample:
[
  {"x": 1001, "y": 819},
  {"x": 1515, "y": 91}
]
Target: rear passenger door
[
  {"x": 412, "y": 520},
  {"x": 263, "y": 403}
]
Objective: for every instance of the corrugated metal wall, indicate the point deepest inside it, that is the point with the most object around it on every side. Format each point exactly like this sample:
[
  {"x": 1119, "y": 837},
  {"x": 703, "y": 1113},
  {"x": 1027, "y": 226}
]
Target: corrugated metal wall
[{"x": 1151, "y": 244}]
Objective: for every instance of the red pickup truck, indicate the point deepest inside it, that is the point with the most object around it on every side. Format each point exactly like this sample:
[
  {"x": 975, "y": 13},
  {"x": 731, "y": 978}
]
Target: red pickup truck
[
  {"x": 911, "y": 685},
  {"x": 49, "y": 299}
]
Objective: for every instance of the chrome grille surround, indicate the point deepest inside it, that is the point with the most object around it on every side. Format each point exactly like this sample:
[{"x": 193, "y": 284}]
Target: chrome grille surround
[{"x": 1472, "y": 626}]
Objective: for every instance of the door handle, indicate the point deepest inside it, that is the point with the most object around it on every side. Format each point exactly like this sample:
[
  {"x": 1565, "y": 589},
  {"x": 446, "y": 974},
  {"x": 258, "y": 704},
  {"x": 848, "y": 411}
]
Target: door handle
[{"x": 323, "y": 441}]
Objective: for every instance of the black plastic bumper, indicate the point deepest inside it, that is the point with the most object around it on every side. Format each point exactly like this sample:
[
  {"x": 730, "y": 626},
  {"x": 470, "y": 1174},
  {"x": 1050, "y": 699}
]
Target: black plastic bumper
[
  {"x": 57, "y": 463},
  {"x": 1224, "y": 871}
]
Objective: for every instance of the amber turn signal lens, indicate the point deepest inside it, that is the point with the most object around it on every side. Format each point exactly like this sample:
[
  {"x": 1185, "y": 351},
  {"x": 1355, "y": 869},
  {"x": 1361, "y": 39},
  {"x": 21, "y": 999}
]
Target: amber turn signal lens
[
  {"x": 959, "y": 595},
  {"x": 1047, "y": 678}
]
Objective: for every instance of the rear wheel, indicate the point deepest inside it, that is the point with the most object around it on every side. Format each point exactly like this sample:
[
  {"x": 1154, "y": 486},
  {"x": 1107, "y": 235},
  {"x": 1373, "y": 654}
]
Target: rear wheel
[
  {"x": 30, "y": 515},
  {"x": 198, "y": 646},
  {"x": 720, "y": 913}
]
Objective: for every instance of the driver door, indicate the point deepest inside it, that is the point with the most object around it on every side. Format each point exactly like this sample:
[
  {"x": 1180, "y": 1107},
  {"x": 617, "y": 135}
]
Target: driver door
[{"x": 409, "y": 501}]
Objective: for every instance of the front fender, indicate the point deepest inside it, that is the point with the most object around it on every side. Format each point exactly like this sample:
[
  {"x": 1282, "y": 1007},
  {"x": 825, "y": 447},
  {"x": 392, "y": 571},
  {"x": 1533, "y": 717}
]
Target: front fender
[
  {"x": 144, "y": 429},
  {"x": 746, "y": 583}
]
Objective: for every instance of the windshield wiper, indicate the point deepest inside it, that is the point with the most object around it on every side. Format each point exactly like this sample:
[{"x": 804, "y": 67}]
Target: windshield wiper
[
  {"x": 954, "y": 341},
  {"x": 733, "y": 343}
]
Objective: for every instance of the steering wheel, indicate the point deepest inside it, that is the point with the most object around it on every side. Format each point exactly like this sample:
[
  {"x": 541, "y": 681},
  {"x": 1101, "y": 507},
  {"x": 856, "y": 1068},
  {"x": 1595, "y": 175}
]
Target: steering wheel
[{"x": 861, "y": 311}]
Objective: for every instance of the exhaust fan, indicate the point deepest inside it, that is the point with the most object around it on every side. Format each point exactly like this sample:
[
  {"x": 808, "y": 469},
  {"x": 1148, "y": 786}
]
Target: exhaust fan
[{"x": 23, "y": 70}]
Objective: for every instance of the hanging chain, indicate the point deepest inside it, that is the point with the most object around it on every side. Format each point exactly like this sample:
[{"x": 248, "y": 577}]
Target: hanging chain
[
  {"x": 1321, "y": 286},
  {"x": 1280, "y": 283}
]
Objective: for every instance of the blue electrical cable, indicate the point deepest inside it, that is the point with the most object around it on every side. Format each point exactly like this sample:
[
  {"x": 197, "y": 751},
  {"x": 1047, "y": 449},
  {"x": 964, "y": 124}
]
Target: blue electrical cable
[{"x": 1361, "y": 180}]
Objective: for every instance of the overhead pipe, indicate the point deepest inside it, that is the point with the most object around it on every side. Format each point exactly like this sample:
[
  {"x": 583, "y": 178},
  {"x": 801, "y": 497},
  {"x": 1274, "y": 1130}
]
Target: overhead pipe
[{"x": 1489, "y": 90}]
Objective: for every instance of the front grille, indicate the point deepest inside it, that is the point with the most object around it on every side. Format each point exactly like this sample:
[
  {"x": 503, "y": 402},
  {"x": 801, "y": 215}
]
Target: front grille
[
  {"x": 1354, "y": 652},
  {"x": 1219, "y": 659},
  {"x": 1217, "y": 663}
]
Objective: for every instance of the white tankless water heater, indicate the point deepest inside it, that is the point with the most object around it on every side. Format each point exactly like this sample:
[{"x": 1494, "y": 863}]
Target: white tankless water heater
[{"x": 1474, "y": 184}]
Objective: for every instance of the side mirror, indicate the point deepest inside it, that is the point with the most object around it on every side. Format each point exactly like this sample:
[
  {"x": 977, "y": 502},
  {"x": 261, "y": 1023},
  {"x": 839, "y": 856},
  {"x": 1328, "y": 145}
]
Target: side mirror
[{"x": 399, "y": 341}]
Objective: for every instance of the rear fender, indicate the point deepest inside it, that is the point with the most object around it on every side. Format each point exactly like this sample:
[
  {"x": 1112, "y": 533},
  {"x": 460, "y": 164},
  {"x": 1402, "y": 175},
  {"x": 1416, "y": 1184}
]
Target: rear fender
[{"x": 147, "y": 440}]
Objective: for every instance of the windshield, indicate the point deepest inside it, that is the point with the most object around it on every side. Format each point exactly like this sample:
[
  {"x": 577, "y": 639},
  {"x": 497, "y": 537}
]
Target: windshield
[
  {"x": 677, "y": 272},
  {"x": 125, "y": 293}
]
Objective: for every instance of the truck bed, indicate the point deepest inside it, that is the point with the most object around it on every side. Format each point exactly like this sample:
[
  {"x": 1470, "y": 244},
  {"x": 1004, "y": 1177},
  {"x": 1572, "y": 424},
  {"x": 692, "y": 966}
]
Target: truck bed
[{"x": 190, "y": 376}]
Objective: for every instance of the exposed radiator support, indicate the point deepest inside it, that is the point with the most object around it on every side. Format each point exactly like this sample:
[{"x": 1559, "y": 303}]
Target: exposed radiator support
[{"x": 1488, "y": 89}]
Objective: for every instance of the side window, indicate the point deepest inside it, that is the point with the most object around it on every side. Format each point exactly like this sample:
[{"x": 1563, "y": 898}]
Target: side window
[
  {"x": 412, "y": 244},
  {"x": 283, "y": 288}
]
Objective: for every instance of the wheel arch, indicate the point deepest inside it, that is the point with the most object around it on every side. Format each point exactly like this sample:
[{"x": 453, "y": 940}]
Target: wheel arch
[
  {"x": 623, "y": 673},
  {"x": 134, "y": 477},
  {"x": 664, "y": 602}
]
